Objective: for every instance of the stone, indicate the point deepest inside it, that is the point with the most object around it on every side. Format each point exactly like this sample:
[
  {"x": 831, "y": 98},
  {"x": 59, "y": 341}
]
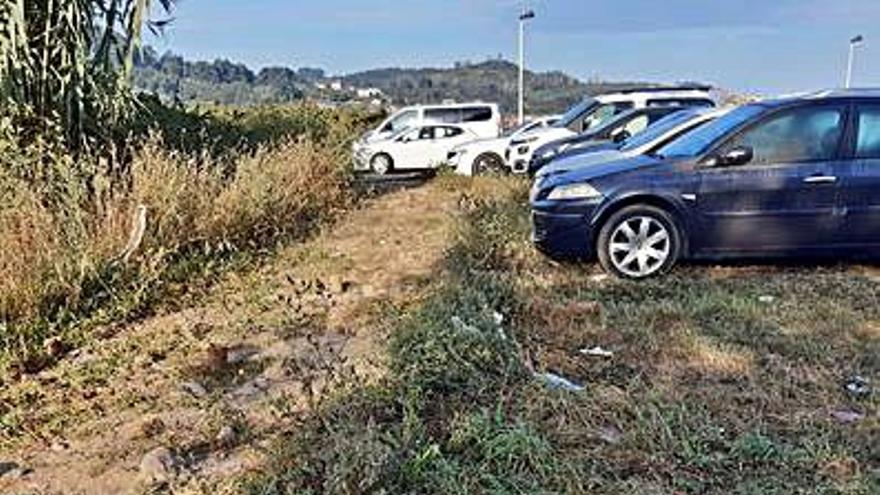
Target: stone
[
  {"x": 54, "y": 347},
  {"x": 226, "y": 437},
  {"x": 158, "y": 466},
  {"x": 11, "y": 471},
  {"x": 195, "y": 389}
]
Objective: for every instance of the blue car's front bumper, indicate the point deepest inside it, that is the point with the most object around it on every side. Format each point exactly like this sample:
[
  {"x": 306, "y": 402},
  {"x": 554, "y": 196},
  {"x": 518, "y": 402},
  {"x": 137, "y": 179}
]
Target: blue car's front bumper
[{"x": 562, "y": 234}]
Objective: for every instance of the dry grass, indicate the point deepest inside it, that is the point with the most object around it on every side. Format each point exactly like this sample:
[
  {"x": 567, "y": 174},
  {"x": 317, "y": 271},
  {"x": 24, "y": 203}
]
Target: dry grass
[{"x": 60, "y": 262}]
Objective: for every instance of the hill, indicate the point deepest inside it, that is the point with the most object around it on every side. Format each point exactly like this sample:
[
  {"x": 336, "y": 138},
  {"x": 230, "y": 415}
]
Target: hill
[
  {"x": 492, "y": 80},
  {"x": 229, "y": 83}
]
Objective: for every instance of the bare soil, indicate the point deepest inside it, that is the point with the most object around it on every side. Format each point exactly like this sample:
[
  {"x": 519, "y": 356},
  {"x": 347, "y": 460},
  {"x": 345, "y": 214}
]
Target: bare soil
[{"x": 254, "y": 354}]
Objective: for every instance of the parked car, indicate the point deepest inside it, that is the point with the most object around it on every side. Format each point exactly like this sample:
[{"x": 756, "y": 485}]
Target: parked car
[
  {"x": 482, "y": 119},
  {"x": 422, "y": 147},
  {"x": 487, "y": 155},
  {"x": 646, "y": 142},
  {"x": 789, "y": 177},
  {"x": 594, "y": 111},
  {"x": 615, "y": 130}
]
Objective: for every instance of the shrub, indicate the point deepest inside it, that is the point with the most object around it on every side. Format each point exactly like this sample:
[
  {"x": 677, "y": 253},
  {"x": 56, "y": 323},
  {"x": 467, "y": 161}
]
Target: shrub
[{"x": 63, "y": 235}]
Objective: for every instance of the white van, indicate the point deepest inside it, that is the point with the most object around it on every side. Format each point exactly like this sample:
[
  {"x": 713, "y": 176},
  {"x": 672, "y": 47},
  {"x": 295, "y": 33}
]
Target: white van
[
  {"x": 482, "y": 119},
  {"x": 593, "y": 112}
]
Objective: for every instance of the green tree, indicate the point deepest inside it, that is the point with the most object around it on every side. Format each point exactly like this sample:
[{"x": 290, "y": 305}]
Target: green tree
[{"x": 67, "y": 64}]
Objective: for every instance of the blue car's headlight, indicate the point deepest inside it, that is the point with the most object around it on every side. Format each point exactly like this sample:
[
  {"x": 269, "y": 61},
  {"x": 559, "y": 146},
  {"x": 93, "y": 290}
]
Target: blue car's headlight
[{"x": 574, "y": 191}]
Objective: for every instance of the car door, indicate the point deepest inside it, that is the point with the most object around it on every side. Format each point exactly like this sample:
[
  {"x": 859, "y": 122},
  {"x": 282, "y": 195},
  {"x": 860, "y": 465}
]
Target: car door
[
  {"x": 786, "y": 197},
  {"x": 444, "y": 138},
  {"x": 413, "y": 147},
  {"x": 860, "y": 180}
]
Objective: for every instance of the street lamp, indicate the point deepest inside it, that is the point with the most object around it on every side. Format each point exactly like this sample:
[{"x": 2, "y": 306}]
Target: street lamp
[
  {"x": 525, "y": 16},
  {"x": 853, "y": 43}
]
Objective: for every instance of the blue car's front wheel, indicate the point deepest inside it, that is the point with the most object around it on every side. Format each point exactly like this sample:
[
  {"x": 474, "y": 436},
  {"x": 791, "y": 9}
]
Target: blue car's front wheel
[{"x": 638, "y": 242}]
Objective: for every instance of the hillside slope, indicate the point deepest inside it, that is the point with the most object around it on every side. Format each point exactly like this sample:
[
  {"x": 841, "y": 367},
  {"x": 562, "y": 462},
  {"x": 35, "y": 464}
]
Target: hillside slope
[{"x": 224, "y": 82}]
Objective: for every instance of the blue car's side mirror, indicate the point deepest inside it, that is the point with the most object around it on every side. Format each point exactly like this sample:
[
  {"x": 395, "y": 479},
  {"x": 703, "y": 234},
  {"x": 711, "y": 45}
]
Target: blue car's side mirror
[{"x": 740, "y": 155}]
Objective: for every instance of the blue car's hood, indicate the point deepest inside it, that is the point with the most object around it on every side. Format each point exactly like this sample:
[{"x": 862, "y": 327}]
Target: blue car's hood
[
  {"x": 573, "y": 161},
  {"x": 598, "y": 170}
]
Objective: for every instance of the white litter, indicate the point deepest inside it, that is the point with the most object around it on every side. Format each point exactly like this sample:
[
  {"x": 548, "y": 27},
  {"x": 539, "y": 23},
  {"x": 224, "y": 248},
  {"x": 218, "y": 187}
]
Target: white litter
[
  {"x": 557, "y": 382},
  {"x": 596, "y": 351},
  {"x": 463, "y": 327}
]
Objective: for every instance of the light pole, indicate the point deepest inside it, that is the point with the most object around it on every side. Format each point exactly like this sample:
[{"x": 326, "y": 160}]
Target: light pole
[
  {"x": 853, "y": 43},
  {"x": 525, "y": 16}
]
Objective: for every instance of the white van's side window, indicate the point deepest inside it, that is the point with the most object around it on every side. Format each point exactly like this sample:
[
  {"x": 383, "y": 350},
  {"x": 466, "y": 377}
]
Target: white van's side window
[
  {"x": 477, "y": 114},
  {"x": 443, "y": 115},
  {"x": 403, "y": 120}
]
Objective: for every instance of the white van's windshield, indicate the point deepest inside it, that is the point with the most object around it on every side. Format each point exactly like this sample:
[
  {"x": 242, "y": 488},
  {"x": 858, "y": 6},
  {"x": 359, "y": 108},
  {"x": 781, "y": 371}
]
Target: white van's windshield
[
  {"x": 400, "y": 121},
  {"x": 576, "y": 112}
]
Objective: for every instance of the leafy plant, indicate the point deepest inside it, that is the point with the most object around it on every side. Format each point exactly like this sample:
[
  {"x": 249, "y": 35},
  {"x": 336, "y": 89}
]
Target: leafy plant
[{"x": 68, "y": 63}]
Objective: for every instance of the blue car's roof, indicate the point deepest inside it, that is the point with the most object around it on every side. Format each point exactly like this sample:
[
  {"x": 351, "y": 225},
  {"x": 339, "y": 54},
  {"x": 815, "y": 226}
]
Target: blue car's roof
[{"x": 820, "y": 95}]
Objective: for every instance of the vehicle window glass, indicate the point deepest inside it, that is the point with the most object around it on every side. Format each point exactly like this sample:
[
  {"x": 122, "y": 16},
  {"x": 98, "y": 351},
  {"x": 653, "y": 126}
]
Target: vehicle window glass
[
  {"x": 698, "y": 142},
  {"x": 426, "y": 133},
  {"x": 868, "y": 144},
  {"x": 797, "y": 135},
  {"x": 659, "y": 128},
  {"x": 449, "y": 132},
  {"x": 574, "y": 114},
  {"x": 596, "y": 118},
  {"x": 402, "y": 121},
  {"x": 410, "y": 135},
  {"x": 443, "y": 115},
  {"x": 476, "y": 114},
  {"x": 636, "y": 125},
  {"x": 680, "y": 102}
]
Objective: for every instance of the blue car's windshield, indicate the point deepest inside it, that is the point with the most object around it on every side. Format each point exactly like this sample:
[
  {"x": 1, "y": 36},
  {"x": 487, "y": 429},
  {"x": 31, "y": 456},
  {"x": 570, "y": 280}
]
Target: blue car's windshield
[
  {"x": 575, "y": 112},
  {"x": 697, "y": 142},
  {"x": 660, "y": 128}
]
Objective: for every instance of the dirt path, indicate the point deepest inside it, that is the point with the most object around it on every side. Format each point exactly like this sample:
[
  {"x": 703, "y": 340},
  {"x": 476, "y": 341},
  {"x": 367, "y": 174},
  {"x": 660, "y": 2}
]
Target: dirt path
[{"x": 213, "y": 383}]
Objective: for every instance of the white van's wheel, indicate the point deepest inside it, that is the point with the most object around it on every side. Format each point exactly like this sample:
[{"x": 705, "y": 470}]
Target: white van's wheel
[
  {"x": 382, "y": 164},
  {"x": 488, "y": 163}
]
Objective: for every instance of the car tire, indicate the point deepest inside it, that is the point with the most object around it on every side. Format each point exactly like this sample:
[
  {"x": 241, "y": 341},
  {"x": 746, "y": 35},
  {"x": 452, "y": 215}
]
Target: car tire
[
  {"x": 639, "y": 242},
  {"x": 382, "y": 164},
  {"x": 488, "y": 163}
]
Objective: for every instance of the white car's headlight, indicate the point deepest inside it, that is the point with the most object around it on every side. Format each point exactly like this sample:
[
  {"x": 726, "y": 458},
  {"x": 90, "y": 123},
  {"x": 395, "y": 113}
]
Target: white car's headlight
[{"x": 574, "y": 191}]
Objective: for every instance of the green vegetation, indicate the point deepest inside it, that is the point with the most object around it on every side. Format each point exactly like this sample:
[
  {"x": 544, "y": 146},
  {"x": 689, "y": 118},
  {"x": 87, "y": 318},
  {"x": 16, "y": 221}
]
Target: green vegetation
[
  {"x": 223, "y": 82},
  {"x": 723, "y": 380},
  {"x": 109, "y": 200}
]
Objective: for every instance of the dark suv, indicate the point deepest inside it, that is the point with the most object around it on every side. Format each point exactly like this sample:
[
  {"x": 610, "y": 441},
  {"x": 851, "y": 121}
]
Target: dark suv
[
  {"x": 616, "y": 130},
  {"x": 790, "y": 177}
]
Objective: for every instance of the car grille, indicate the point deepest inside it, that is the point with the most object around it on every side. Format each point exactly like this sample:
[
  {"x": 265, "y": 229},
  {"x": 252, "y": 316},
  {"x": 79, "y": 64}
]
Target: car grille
[{"x": 539, "y": 229}]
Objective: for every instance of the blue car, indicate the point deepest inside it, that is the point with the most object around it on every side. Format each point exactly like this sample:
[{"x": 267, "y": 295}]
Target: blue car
[
  {"x": 608, "y": 135},
  {"x": 789, "y": 177}
]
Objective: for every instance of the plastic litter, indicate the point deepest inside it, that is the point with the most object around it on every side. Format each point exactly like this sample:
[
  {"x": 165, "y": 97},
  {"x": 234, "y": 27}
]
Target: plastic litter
[
  {"x": 596, "y": 351},
  {"x": 858, "y": 387},
  {"x": 610, "y": 434},
  {"x": 497, "y": 317},
  {"x": 557, "y": 382},
  {"x": 847, "y": 416},
  {"x": 767, "y": 299},
  {"x": 463, "y": 327}
]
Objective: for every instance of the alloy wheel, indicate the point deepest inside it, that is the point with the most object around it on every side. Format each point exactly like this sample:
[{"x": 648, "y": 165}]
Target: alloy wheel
[{"x": 639, "y": 246}]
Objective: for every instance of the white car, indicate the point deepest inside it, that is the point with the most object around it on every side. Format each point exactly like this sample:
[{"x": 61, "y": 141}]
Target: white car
[
  {"x": 422, "y": 147},
  {"x": 483, "y": 119},
  {"x": 594, "y": 111},
  {"x": 485, "y": 155}
]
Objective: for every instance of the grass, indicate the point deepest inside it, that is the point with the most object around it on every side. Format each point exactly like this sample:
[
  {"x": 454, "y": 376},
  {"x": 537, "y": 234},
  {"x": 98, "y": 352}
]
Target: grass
[
  {"x": 71, "y": 253},
  {"x": 722, "y": 380}
]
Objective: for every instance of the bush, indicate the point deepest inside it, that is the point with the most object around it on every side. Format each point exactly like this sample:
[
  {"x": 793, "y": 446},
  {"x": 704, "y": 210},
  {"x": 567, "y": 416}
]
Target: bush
[{"x": 70, "y": 242}]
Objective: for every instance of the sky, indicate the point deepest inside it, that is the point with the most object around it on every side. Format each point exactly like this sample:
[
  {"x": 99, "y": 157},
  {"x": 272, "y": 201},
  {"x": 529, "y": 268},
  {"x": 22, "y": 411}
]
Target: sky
[{"x": 761, "y": 46}]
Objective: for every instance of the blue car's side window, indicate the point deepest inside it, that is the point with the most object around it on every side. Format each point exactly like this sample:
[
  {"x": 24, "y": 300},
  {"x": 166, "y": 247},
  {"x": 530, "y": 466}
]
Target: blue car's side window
[
  {"x": 797, "y": 135},
  {"x": 868, "y": 144}
]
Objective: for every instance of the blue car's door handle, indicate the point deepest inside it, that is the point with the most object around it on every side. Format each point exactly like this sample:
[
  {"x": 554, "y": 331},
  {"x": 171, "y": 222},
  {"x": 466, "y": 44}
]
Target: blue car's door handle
[{"x": 821, "y": 179}]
